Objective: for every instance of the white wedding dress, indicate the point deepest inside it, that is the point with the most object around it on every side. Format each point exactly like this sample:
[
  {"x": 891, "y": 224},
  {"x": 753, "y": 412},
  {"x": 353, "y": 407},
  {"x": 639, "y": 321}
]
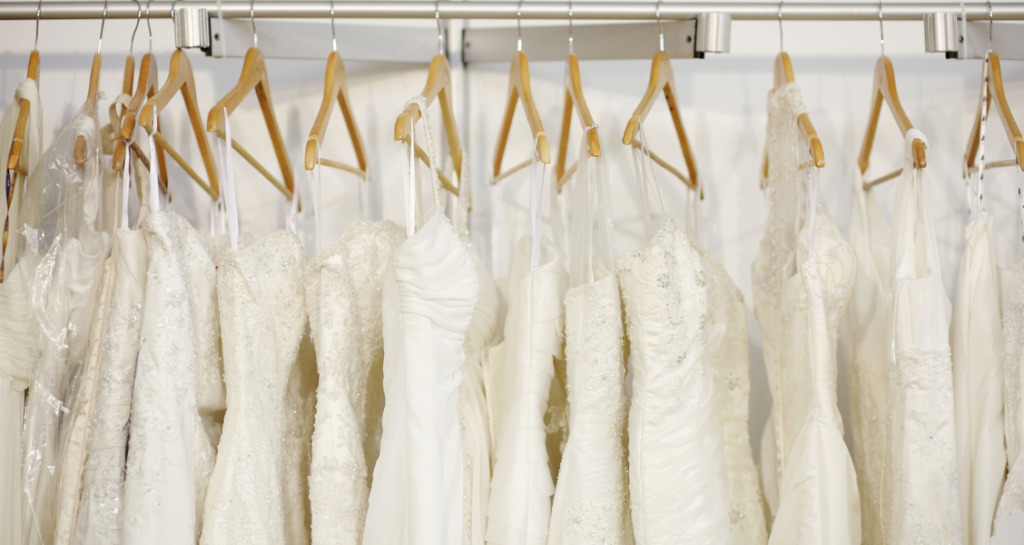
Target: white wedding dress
[
  {"x": 429, "y": 292},
  {"x": 16, "y": 334},
  {"x": 803, "y": 278},
  {"x": 865, "y": 337},
  {"x": 519, "y": 380},
  {"x": 170, "y": 453},
  {"x": 976, "y": 341},
  {"x": 263, "y": 322},
  {"x": 591, "y": 502},
  {"x": 1011, "y": 500},
  {"x": 921, "y": 497},
  {"x": 64, "y": 249},
  {"x": 343, "y": 298}
]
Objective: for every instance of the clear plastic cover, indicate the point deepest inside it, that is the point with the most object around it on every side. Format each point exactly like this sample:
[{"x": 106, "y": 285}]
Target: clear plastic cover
[{"x": 64, "y": 240}]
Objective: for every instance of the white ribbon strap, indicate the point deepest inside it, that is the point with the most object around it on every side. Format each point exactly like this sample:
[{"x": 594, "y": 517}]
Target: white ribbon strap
[
  {"x": 536, "y": 206},
  {"x": 230, "y": 201},
  {"x": 125, "y": 185},
  {"x": 154, "y": 183}
]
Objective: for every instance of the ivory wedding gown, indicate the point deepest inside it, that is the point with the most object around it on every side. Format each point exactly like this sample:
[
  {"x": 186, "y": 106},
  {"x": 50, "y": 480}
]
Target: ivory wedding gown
[
  {"x": 519, "y": 382},
  {"x": 429, "y": 292},
  {"x": 16, "y": 333},
  {"x": 591, "y": 502},
  {"x": 865, "y": 337},
  {"x": 1011, "y": 500},
  {"x": 263, "y": 323},
  {"x": 65, "y": 245},
  {"x": 922, "y": 500},
  {"x": 343, "y": 297},
  {"x": 170, "y": 454},
  {"x": 976, "y": 340},
  {"x": 803, "y": 277}
]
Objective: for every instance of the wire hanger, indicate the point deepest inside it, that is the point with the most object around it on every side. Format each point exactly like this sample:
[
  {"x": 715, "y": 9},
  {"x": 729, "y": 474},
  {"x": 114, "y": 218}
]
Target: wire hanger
[
  {"x": 254, "y": 77},
  {"x": 94, "y": 83},
  {"x": 14, "y": 158},
  {"x": 995, "y": 90},
  {"x": 519, "y": 91},
  {"x": 662, "y": 80},
  {"x": 335, "y": 88},
  {"x": 147, "y": 87},
  {"x": 439, "y": 85},
  {"x": 884, "y": 89},
  {"x": 180, "y": 79},
  {"x": 574, "y": 101},
  {"x": 783, "y": 75}
]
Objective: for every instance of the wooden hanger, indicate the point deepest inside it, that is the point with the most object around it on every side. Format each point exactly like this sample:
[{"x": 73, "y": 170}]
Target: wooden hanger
[
  {"x": 14, "y": 158},
  {"x": 809, "y": 136},
  {"x": 180, "y": 79},
  {"x": 995, "y": 91},
  {"x": 574, "y": 101},
  {"x": 254, "y": 77},
  {"x": 335, "y": 88},
  {"x": 662, "y": 79},
  {"x": 147, "y": 87},
  {"x": 519, "y": 91},
  {"x": 884, "y": 90},
  {"x": 439, "y": 85},
  {"x": 94, "y": 83}
]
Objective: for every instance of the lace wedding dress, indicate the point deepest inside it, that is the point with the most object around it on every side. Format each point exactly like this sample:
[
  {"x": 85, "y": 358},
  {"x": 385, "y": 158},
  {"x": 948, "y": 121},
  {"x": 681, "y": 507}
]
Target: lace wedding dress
[
  {"x": 343, "y": 298},
  {"x": 803, "y": 278},
  {"x": 429, "y": 292},
  {"x": 16, "y": 334},
  {"x": 1011, "y": 500},
  {"x": 64, "y": 249},
  {"x": 263, "y": 322},
  {"x": 921, "y": 497},
  {"x": 170, "y": 454},
  {"x": 865, "y": 338},
  {"x": 976, "y": 341},
  {"x": 591, "y": 503},
  {"x": 519, "y": 382}
]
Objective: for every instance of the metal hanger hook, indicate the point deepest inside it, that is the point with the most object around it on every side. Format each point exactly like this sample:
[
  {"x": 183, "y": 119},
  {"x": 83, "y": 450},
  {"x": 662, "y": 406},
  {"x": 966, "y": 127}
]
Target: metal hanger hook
[
  {"x": 519, "y": 26},
  {"x": 39, "y": 15},
  {"x": 334, "y": 37},
  {"x": 103, "y": 23},
  {"x": 881, "y": 28},
  {"x": 661, "y": 30},
  {"x": 131, "y": 46},
  {"x": 570, "y": 26},
  {"x": 149, "y": 26},
  {"x": 440, "y": 34},
  {"x": 990, "y": 24},
  {"x": 252, "y": 20},
  {"x": 781, "y": 48}
]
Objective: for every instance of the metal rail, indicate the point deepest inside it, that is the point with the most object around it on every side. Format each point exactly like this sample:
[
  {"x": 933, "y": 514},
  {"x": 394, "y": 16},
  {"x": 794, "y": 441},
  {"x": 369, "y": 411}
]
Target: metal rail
[{"x": 815, "y": 11}]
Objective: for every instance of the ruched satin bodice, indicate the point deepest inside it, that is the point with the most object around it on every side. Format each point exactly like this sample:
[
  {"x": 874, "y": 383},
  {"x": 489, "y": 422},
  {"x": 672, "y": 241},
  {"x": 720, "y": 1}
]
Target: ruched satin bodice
[{"x": 429, "y": 293}]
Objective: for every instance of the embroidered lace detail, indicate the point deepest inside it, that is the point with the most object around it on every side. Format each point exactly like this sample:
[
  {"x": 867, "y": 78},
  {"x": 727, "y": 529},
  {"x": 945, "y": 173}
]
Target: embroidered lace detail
[
  {"x": 170, "y": 455},
  {"x": 591, "y": 502},
  {"x": 343, "y": 296},
  {"x": 1013, "y": 368},
  {"x": 922, "y": 385},
  {"x": 728, "y": 358},
  {"x": 675, "y": 435}
]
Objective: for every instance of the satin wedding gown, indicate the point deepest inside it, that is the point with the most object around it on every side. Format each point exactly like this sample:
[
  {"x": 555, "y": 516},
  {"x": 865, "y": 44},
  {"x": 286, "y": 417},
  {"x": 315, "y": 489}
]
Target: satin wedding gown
[
  {"x": 66, "y": 245},
  {"x": 803, "y": 278},
  {"x": 429, "y": 292},
  {"x": 343, "y": 298},
  {"x": 263, "y": 323},
  {"x": 591, "y": 502},
  {"x": 976, "y": 341},
  {"x": 865, "y": 337},
  {"x": 16, "y": 334},
  {"x": 922, "y": 500},
  {"x": 170, "y": 454}
]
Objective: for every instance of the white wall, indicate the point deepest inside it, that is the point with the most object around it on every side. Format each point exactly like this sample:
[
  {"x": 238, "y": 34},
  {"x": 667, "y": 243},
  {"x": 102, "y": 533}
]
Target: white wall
[{"x": 722, "y": 101}]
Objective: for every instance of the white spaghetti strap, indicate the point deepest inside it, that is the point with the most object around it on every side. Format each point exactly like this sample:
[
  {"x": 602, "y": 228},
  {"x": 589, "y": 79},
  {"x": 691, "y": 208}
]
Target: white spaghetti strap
[
  {"x": 230, "y": 202},
  {"x": 412, "y": 195},
  {"x": 293, "y": 211},
  {"x": 154, "y": 183},
  {"x": 315, "y": 188},
  {"x": 536, "y": 207},
  {"x": 812, "y": 202},
  {"x": 978, "y": 205},
  {"x": 125, "y": 185},
  {"x": 642, "y": 165}
]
